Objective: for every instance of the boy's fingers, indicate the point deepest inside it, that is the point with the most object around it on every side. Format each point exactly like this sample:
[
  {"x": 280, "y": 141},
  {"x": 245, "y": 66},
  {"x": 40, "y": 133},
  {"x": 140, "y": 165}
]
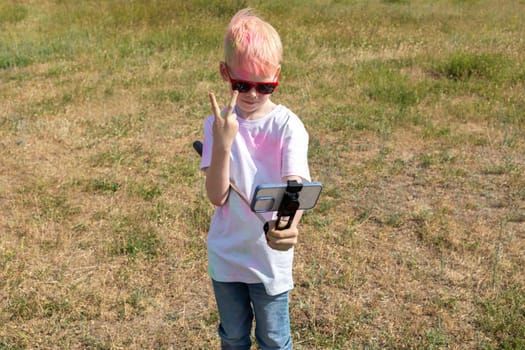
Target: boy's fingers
[
  {"x": 277, "y": 235},
  {"x": 214, "y": 106},
  {"x": 283, "y": 245},
  {"x": 233, "y": 101}
]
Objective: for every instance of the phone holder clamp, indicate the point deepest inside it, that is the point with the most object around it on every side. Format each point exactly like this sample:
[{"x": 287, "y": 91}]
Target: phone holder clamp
[{"x": 288, "y": 207}]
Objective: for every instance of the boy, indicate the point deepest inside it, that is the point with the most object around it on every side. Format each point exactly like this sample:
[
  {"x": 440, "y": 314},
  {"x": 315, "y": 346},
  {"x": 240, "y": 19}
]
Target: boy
[{"x": 254, "y": 141}]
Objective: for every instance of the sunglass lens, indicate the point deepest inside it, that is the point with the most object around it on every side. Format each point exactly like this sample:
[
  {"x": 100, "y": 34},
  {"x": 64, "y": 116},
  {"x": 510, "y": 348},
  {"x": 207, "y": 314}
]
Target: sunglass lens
[
  {"x": 241, "y": 86},
  {"x": 265, "y": 88}
]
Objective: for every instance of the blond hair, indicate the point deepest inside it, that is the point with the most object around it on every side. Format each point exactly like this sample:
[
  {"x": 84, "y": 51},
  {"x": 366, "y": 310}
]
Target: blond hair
[{"x": 252, "y": 44}]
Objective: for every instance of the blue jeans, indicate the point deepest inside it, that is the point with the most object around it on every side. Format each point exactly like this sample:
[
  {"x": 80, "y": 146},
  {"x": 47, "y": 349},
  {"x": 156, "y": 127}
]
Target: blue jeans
[{"x": 238, "y": 303}]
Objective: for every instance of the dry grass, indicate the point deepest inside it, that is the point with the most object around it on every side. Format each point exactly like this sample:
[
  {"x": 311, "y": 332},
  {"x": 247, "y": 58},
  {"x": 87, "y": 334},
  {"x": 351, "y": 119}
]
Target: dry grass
[{"x": 416, "y": 116}]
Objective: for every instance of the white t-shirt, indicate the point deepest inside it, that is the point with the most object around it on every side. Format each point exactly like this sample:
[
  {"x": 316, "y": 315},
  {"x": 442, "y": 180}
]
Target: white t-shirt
[{"x": 264, "y": 151}]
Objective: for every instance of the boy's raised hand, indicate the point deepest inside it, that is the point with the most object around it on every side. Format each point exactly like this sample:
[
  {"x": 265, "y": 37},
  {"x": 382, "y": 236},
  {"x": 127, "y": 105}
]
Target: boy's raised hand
[{"x": 225, "y": 125}]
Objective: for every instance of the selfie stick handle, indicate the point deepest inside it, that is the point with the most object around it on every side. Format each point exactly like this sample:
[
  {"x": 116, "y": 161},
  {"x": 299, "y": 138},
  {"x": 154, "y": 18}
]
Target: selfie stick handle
[
  {"x": 288, "y": 207},
  {"x": 197, "y": 146}
]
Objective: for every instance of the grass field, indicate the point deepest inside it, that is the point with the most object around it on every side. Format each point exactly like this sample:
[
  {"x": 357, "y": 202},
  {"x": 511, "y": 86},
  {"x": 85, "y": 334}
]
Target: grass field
[{"x": 416, "y": 113}]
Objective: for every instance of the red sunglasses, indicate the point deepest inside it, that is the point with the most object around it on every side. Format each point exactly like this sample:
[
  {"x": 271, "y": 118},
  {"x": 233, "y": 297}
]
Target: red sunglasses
[{"x": 243, "y": 86}]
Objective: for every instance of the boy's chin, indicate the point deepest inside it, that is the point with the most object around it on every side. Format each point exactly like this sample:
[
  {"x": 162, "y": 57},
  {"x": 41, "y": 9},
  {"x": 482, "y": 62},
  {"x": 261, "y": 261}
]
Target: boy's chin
[{"x": 249, "y": 107}]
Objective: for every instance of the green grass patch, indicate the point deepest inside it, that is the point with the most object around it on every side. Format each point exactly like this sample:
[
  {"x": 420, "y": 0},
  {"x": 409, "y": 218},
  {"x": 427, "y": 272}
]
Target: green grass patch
[
  {"x": 133, "y": 237},
  {"x": 197, "y": 215},
  {"x": 502, "y": 318},
  {"x": 181, "y": 170},
  {"x": 116, "y": 155},
  {"x": 23, "y": 306},
  {"x": 117, "y": 126},
  {"x": 433, "y": 229},
  {"x": 362, "y": 117},
  {"x": 386, "y": 84},
  {"x": 47, "y": 205},
  {"x": 463, "y": 66},
  {"x": 12, "y": 13},
  {"x": 101, "y": 185},
  {"x": 146, "y": 191},
  {"x": 8, "y": 59},
  {"x": 24, "y": 51}
]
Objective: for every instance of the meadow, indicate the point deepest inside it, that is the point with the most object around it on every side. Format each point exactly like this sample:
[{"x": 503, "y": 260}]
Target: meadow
[{"x": 416, "y": 116}]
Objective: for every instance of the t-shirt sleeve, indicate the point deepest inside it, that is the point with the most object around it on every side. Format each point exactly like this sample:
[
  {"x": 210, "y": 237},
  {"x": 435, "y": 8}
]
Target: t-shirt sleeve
[{"x": 295, "y": 150}]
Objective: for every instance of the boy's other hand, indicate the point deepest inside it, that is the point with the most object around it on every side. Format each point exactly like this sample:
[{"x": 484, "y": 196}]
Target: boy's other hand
[
  {"x": 225, "y": 125},
  {"x": 281, "y": 240}
]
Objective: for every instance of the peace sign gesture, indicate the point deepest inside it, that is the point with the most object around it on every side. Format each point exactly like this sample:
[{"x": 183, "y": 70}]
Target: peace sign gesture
[{"x": 225, "y": 124}]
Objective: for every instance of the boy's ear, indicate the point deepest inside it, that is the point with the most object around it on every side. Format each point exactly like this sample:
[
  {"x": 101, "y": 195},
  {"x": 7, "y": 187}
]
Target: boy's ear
[{"x": 223, "y": 69}]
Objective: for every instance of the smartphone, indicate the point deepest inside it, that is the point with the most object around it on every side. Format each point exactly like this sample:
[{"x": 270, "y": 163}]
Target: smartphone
[{"x": 268, "y": 197}]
